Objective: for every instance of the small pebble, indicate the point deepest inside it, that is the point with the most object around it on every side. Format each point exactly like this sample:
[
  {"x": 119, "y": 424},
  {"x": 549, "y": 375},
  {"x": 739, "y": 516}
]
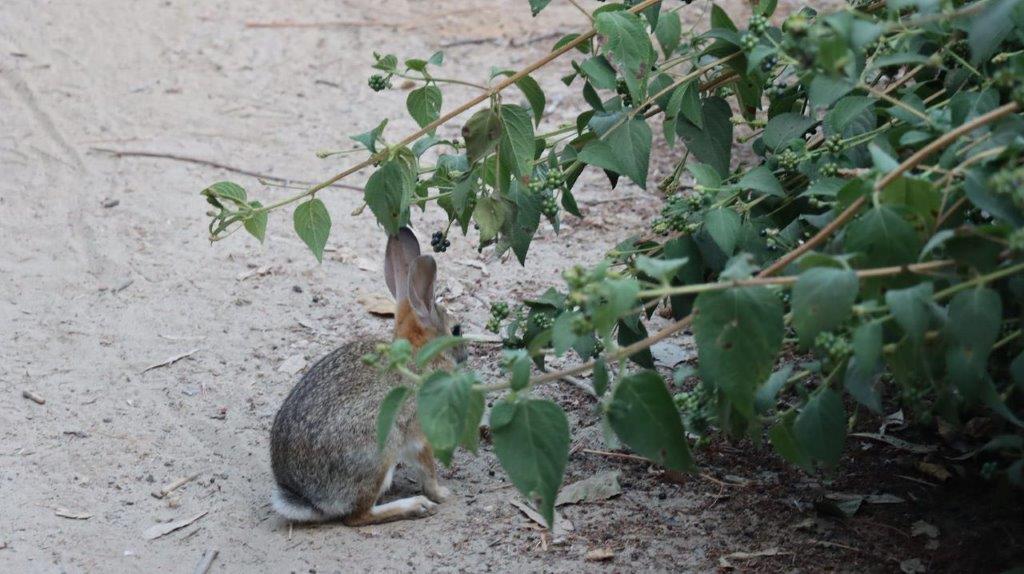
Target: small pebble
[{"x": 297, "y": 288}]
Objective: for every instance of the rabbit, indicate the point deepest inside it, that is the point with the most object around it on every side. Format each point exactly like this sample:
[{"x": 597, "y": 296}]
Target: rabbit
[{"x": 323, "y": 444}]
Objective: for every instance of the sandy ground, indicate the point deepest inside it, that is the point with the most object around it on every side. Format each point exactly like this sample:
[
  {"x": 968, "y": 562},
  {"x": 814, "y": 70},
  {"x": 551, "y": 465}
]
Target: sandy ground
[{"x": 91, "y": 294}]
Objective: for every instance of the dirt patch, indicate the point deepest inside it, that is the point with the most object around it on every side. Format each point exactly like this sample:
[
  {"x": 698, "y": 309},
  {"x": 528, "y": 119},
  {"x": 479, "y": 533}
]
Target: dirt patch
[{"x": 106, "y": 271}]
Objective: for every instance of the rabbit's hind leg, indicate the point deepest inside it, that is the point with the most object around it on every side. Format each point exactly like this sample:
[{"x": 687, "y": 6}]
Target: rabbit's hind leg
[
  {"x": 401, "y": 509},
  {"x": 418, "y": 454}
]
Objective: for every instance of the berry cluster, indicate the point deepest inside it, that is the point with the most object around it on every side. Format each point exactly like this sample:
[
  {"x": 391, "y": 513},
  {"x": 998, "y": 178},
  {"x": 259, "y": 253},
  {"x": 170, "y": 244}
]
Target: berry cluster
[
  {"x": 788, "y": 160},
  {"x": 439, "y": 242},
  {"x": 1009, "y": 183},
  {"x": 834, "y": 144},
  {"x": 548, "y": 206},
  {"x": 771, "y": 235},
  {"x": 796, "y": 24},
  {"x": 758, "y": 24},
  {"x": 829, "y": 169},
  {"x": 379, "y": 82},
  {"x": 697, "y": 409},
  {"x": 552, "y": 181},
  {"x": 543, "y": 321},
  {"x": 622, "y": 89},
  {"x": 675, "y": 214},
  {"x": 748, "y": 42},
  {"x": 769, "y": 62},
  {"x": 835, "y": 347},
  {"x": 499, "y": 311}
]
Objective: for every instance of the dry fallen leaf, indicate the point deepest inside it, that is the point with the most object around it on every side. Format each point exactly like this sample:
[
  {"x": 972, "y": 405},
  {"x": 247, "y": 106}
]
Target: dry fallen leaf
[
  {"x": 601, "y": 486},
  {"x": 561, "y": 529},
  {"x": 65, "y": 513},
  {"x": 723, "y": 561},
  {"x": 378, "y": 304},
  {"x": 599, "y": 555},
  {"x": 923, "y": 528},
  {"x": 158, "y": 530},
  {"x": 936, "y": 471}
]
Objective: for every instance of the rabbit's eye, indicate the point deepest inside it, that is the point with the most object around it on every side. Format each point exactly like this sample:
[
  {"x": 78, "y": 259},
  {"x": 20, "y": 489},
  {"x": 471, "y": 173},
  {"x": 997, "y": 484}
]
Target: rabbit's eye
[{"x": 457, "y": 330}]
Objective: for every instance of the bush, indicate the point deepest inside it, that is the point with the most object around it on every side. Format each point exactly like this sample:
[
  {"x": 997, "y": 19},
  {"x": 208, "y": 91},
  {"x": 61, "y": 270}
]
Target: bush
[{"x": 876, "y": 235}]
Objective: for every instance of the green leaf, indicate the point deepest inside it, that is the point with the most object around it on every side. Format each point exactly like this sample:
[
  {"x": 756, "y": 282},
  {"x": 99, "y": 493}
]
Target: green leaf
[
  {"x": 766, "y": 395},
  {"x": 988, "y": 29},
  {"x": 663, "y": 269},
  {"x": 720, "y": 19},
  {"x": 626, "y": 39},
  {"x": 534, "y": 96},
  {"x": 845, "y": 111},
  {"x": 520, "y": 369},
  {"x": 424, "y": 104},
  {"x": 435, "y": 347},
  {"x": 474, "y": 414},
  {"x": 526, "y": 221},
  {"x": 884, "y": 237},
  {"x": 256, "y": 224},
  {"x": 389, "y": 409},
  {"x": 975, "y": 317},
  {"x": 490, "y": 215},
  {"x": 863, "y": 370},
  {"x": 481, "y": 134},
  {"x": 369, "y": 139},
  {"x": 911, "y": 309},
  {"x": 820, "y": 428},
  {"x": 613, "y": 299},
  {"x": 824, "y": 91},
  {"x": 562, "y": 335},
  {"x": 710, "y": 143},
  {"x": 723, "y": 225},
  {"x": 313, "y": 224},
  {"x": 630, "y": 332},
  {"x": 225, "y": 190},
  {"x": 785, "y": 442},
  {"x": 738, "y": 331},
  {"x": 823, "y": 299},
  {"x": 625, "y": 150},
  {"x": 531, "y": 439},
  {"x": 644, "y": 416},
  {"x": 600, "y": 377},
  {"x": 600, "y": 73},
  {"x": 763, "y": 180},
  {"x": 668, "y": 32},
  {"x": 784, "y": 129},
  {"x": 441, "y": 407},
  {"x": 516, "y": 146},
  {"x": 537, "y": 5},
  {"x": 388, "y": 193}
]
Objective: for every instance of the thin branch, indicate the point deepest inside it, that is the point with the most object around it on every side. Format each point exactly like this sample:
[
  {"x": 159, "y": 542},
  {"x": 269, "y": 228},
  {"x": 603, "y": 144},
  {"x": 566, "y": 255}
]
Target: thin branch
[
  {"x": 483, "y": 97},
  {"x": 791, "y": 279},
  {"x": 214, "y": 164}
]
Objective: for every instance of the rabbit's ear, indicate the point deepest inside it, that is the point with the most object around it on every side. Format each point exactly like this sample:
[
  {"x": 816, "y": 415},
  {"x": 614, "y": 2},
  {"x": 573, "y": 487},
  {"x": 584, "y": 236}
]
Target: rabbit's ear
[
  {"x": 422, "y": 274},
  {"x": 403, "y": 248}
]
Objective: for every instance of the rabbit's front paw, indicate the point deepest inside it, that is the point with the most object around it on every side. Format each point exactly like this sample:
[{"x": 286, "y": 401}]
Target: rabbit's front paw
[
  {"x": 421, "y": 506},
  {"x": 438, "y": 494}
]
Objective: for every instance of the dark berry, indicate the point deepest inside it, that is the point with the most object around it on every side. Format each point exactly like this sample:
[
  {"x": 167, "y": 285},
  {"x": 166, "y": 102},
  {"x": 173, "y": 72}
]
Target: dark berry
[{"x": 378, "y": 83}]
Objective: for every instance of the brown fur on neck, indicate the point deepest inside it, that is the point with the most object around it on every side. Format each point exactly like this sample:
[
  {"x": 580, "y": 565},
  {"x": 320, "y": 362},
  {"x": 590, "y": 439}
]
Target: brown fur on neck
[{"x": 409, "y": 327}]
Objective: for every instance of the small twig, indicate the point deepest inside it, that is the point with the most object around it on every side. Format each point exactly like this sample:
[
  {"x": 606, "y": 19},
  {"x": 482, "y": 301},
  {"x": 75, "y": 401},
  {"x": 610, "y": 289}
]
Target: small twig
[
  {"x": 30, "y": 395},
  {"x": 174, "y": 486},
  {"x": 205, "y": 561},
  {"x": 171, "y": 360},
  {"x": 214, "y": 164}
]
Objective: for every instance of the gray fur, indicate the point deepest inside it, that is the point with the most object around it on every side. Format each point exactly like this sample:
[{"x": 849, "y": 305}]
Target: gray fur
[
  {"x": 323, "y": 443},
  {"x": 323, "y": 447}
]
